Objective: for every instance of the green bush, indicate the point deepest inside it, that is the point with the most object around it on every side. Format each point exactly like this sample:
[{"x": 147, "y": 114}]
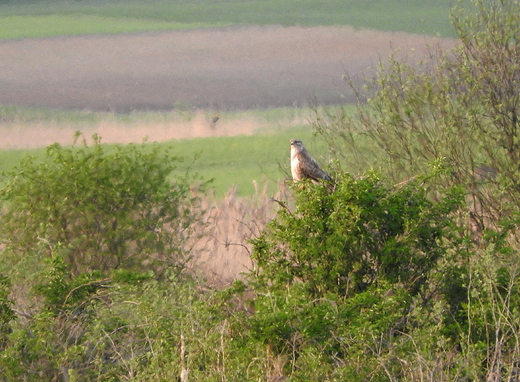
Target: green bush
[
  {"x": 361, "y": 233},
  {"x": 341, "y": 274},
  {"x": 460, "y": 107},
  {"x": 376, "y": 282},
  {"x": 6, "y": 310},
  {"x": 99, "y": 208},
  {"x": 460, "y": 110},
  {"x": 82, "y": 228}
]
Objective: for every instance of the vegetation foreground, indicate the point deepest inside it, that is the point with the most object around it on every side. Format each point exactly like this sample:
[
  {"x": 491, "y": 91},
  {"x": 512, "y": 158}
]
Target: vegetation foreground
[{"x": 408, "y": 273}]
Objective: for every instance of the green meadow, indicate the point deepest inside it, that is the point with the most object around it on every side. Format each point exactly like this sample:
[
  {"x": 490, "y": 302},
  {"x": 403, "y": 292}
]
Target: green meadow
[
  {"x": 22, "y": 19},
  {"x": 23, "y": 26},
  {"x": 240, "y": 161},
  {"x": 227, "y": 161},
  {"x": 244, "y": 160}
]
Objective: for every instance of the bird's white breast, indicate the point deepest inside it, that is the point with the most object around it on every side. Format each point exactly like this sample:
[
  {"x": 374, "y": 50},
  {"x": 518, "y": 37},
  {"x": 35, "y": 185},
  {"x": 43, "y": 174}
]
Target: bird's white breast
[{"x": 295, "y": 161}]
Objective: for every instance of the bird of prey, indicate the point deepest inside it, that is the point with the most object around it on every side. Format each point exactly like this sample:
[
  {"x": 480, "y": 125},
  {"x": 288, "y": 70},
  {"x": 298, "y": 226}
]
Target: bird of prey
[{"x": 303, "y": 166}]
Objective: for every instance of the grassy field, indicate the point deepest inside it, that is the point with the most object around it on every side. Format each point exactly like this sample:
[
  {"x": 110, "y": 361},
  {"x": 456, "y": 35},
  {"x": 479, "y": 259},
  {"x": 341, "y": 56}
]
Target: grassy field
[
  {"x": 243, "y": 160},
  {"x": 229, "y": 161},
  {"x": 239, "y": 160},
  {"x": 64, "y": 17},
  {"x": 23, "y": 26}
]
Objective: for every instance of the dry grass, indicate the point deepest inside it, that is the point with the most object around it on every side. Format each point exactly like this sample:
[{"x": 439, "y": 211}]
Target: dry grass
[
  {"x": 223, "y": 253},
  {"x": 198, "y": 123}
]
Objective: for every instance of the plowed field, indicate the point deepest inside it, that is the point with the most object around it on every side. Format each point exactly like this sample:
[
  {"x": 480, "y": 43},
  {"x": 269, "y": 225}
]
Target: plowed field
[{"x": 234, "y": 68}]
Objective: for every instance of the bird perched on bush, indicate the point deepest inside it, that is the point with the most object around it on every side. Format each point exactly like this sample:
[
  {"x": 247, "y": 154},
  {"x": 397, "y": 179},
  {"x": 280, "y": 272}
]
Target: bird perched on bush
[{"x": 303, "y": 166}]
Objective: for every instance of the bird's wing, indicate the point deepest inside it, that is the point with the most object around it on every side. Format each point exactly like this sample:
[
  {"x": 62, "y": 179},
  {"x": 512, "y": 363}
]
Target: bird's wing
[{"x": 310, "y": 169}]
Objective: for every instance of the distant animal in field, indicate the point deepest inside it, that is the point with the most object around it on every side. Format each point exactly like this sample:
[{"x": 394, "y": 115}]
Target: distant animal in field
[
  {"x": 214, "y": 120},
  {"x": 303, "y": 166}
]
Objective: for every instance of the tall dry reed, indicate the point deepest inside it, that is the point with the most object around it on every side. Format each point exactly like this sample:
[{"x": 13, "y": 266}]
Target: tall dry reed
[{"x": 222, "y": 252}]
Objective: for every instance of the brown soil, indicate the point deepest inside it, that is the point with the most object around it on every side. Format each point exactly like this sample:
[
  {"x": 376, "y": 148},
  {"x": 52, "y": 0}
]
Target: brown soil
[{"x": 217, "y": 68}]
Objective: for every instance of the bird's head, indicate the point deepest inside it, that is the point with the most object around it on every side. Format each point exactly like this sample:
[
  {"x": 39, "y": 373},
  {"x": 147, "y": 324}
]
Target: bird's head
[{"x": 297, "y": 144}]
